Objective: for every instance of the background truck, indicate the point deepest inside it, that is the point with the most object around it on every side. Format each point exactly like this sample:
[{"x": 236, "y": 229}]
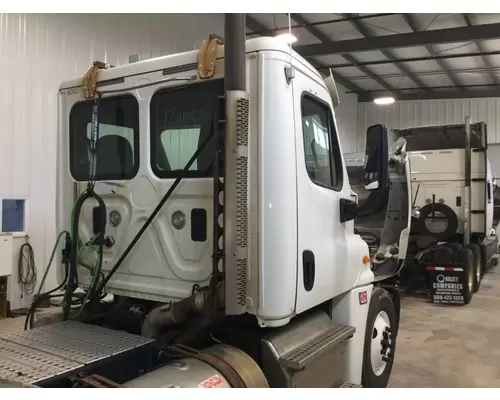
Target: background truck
[
  {"x": 213, "y": 206},
  {"x": 453, "y": 238}
]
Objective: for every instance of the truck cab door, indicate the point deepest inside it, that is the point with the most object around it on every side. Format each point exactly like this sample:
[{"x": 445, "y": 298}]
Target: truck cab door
[{"x": 325, "y": 249}]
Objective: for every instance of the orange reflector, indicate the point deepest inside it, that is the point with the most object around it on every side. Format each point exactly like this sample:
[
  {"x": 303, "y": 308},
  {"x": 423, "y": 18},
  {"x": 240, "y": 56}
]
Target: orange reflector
[{"x": 366, "y": 260}]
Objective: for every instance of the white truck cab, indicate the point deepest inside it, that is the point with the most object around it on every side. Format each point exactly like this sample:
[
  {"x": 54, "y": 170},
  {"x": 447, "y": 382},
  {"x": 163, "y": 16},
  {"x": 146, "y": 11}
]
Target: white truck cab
[{"x": 297, "y": 283}]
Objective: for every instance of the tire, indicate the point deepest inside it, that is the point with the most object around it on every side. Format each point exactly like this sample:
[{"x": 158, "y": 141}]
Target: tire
[
  {"x": 465, "y": 258},
  {"x": 380, "y": 336},
  {"x": 450, "y": 215},
  {"x": 478, "y": 265}
]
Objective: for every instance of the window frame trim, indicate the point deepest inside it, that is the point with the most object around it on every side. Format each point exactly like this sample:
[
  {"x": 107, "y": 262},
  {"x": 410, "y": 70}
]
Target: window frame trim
[
  {"x": 136, "y": 142},
  {"x": 338, "y": 186},
  {"x": 165, "y": 175}
]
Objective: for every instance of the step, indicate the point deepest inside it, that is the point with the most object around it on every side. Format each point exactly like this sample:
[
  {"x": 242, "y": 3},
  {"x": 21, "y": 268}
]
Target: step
[{"x": 302, "y": 355}]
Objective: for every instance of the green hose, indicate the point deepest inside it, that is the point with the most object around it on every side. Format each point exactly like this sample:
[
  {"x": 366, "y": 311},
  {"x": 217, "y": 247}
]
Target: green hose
[{"x": 50, "y": 262}]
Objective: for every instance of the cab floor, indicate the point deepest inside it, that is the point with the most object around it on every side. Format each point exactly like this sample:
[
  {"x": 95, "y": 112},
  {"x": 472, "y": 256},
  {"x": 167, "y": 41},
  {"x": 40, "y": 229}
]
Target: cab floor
[{"x": 443, "y": 346}]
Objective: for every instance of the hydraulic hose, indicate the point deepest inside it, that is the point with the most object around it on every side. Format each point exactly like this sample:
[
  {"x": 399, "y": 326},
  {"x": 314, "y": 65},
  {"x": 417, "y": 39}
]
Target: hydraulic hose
[
  {"x": 73, "y": 274},
  {"x": 39, "y": 296}
]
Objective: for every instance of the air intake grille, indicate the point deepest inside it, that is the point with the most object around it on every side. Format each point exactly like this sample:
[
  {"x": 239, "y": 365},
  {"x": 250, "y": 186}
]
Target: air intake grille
[
  {"x": 241, "y": 202},
  {"x": 241, "y": 279},
  {"x": 242, "y": 109}
]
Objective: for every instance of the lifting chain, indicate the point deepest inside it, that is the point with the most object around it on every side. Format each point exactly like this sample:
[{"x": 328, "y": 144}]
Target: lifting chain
[{"x": 90, "y": 92}]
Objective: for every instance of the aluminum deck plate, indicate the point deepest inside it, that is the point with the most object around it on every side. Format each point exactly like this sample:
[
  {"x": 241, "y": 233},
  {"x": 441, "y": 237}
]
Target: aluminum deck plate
[{"x": 38, "y": 354}]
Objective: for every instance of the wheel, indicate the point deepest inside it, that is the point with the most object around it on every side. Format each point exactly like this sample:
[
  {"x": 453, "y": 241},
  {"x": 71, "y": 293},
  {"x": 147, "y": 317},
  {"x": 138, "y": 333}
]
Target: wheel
[
  {"x": 465, "y": 258},
  {"x": 380, "y": 340},
  {"x": 478, "y": 265},
  {"x": 449, "y": 219}
]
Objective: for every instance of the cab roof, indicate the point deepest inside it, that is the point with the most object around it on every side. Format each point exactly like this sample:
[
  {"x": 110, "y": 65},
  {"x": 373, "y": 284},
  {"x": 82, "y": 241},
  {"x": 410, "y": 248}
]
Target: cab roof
[{"x": 186, "y": 58}]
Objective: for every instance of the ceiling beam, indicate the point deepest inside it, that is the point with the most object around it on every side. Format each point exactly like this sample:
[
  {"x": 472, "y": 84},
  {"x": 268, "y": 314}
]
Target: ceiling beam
[
  {"x": 262, "y": 32},
  {"x": 326, "y": 40},
  {"x": 255, "y": 25},
  {"x": 414, "y": 59},
  {"x": 412, "y": 89},
  {"x": 412, "y": 22},
  {"x": 361, "y": 28},
  {"x": 436, "y": 36},
  {"x": 493, "y": 77},
  {"x": 441, "y": 95}
]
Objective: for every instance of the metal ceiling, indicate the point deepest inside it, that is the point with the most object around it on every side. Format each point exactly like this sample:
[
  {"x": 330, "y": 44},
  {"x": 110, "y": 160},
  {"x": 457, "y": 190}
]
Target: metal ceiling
[{"x": 410, "y": 56}]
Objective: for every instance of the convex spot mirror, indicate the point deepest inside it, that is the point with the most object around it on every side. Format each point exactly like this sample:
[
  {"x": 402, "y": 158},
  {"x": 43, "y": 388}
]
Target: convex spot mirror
[{"x": 376, "y": 158}]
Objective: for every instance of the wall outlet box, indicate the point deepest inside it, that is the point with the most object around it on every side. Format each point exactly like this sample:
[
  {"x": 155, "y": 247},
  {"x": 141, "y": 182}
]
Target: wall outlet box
[{"x": 6, "y": 256}]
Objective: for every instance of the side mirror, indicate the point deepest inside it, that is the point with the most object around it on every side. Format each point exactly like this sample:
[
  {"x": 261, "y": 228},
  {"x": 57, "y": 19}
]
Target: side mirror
[{"x": 376, "y": 158}]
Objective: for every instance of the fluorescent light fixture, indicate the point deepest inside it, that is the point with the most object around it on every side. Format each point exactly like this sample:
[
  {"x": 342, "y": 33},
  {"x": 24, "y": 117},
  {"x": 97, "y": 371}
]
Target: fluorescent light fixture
[
  {"x": 286, "y": 38},
  {"x": 384, "y": 100}
]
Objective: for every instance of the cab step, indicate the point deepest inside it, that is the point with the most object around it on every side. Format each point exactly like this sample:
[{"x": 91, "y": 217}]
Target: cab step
[{"x": 302, "y": 355}]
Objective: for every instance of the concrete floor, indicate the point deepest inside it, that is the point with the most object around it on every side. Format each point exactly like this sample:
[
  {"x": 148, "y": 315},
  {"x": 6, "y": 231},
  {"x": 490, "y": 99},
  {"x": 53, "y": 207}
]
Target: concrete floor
[
  {"x": 450, "y": 347},
  {"x": 437, "y": 346}
]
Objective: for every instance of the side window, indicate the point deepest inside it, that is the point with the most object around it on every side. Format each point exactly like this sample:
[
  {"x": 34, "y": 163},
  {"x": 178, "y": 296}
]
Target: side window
[
  {"x": 118, "y": 147},
  {"x": 321, "y": 148},
  {"x": 488, "y": 188}
]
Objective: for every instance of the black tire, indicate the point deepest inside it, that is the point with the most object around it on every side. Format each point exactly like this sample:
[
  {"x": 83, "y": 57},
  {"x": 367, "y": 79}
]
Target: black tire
[
  {"x": 465, "y": 258},
  {"x": 478, "y": 265},
  {"x": 381, "y": 312},
  {"x": 449, "y": 214}
]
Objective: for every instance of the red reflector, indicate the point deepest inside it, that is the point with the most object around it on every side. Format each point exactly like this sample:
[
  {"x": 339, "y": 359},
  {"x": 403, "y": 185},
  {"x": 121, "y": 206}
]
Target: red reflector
[
  {"x": 430, "y": 268},
  {"x": 449, "y": 269}
]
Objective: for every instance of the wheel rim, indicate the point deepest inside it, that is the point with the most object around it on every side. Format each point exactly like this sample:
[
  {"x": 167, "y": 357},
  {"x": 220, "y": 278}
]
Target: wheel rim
[
  {"x": 471, "y": 277},
  {"x": 478, "y": 269},
  {"x": 381, "y": 343}
]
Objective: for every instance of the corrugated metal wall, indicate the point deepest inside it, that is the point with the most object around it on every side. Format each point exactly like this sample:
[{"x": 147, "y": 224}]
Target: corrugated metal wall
[
  {"x": 37, "y": 53},
  {"x": 429, "y": 112}
]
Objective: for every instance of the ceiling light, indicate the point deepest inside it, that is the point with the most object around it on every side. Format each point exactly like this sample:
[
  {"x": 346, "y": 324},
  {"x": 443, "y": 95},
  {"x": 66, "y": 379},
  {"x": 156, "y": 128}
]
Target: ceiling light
[
  {"x": 286, "y": 38},
  {"x": 384, "y": 100}
]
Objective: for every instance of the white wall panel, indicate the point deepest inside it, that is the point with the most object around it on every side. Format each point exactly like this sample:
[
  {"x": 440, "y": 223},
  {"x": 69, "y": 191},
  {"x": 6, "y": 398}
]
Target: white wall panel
[
  {"x": 37, "y": 53},
  {"x": 406, "y": 114}
]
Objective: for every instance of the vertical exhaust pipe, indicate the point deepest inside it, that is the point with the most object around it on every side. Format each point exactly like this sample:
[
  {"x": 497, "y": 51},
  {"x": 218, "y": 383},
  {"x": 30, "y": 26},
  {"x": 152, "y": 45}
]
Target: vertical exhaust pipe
[
  {"x": 234, "y": 53},
  {"x": 236, "y": 167},
  {"x": 467, "y": 210}
]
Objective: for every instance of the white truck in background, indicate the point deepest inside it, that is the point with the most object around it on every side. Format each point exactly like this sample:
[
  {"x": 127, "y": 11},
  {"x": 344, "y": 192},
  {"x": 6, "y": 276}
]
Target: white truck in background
[
  {"x": 453, "y": 239},
  {"x": 219, "y": 216}
]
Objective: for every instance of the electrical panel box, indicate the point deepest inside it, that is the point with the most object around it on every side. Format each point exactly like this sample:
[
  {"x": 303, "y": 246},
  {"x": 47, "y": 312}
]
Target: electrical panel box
[{"x": 6, "y": 256}]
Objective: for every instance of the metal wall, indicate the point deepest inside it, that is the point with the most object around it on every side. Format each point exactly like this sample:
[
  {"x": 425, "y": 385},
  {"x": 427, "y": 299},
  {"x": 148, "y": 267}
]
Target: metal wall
[
  {"x": 37, "y": 53},
  {"x": 428, "y": 112}
]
